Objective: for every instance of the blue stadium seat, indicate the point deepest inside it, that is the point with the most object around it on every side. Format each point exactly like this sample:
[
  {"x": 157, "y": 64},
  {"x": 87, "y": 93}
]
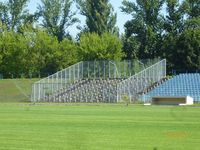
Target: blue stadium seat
[{"x": 180, "y": 85}]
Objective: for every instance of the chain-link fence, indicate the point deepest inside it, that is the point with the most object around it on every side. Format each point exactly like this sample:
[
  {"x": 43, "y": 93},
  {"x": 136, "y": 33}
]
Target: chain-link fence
[
  {"x": 139, "y": 83},
  {"x": 70, "y": 84}
]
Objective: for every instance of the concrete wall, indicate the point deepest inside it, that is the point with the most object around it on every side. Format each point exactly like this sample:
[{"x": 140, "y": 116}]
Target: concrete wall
[{"x": 172, "y": 100}]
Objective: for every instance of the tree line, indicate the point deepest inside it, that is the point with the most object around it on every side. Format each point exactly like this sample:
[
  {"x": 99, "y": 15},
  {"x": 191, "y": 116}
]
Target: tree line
[{"x": 39, "y": 43}]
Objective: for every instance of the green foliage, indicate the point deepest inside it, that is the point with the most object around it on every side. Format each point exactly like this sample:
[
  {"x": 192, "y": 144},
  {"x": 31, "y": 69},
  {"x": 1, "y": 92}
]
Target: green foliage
[
  {"x": 144, "y": 27},
  {"x": 181, "y": 40},
  {"x": 99, "y": 15},
  {"x": 34, "y": 53},
  {"x": 183, "y": 50},
  {"x": 43, "y": 48},
  {"x": 13, "y": 48},
  {"x": 188, "y": 50},
  {"x": 104, "y": 47},
  {"x": 150, "y": 34},
  {"x": 174, "y": 18},
  {"x": 192, "y": 8},
  {"x": 49, "y": 55},
  {"x": 58, "y": 18},
  {"x": 13, "y": 13},
  {"x": 131, "y": 47},
  {"x": 67, "y": 54},
  {"x": 27, "y": 48}
]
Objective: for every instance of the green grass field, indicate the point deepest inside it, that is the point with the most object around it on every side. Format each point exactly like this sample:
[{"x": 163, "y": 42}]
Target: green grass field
[
  {"x": 24, "y": 126},
  {"x": 98, "y": 127},
  {"x": 15, "y": 90}
]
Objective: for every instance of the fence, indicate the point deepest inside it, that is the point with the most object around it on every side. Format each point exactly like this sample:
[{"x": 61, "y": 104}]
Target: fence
[
  {"x": 136, "y": 85},
  {"x": 86, "y": 70}
]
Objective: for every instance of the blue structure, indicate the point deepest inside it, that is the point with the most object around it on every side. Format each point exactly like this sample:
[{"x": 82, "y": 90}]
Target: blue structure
[{"x": 180, "y": 85}]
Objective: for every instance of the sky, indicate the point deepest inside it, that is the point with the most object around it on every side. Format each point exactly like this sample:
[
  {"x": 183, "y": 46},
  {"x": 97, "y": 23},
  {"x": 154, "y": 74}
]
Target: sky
[{"x": 121, "y": 17}]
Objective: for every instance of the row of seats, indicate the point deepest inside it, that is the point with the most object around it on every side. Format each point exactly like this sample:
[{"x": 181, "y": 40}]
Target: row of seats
[
  {"x": 87, "y": 90},
  {"x": 180, "y": 85}
]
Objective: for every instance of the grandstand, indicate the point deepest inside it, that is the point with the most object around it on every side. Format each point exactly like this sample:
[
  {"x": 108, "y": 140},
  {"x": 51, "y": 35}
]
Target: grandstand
[
  {"x": 100, "y": 81},
  {"x": 111, "y": 81},
  {"x": 179, "y": 86}
]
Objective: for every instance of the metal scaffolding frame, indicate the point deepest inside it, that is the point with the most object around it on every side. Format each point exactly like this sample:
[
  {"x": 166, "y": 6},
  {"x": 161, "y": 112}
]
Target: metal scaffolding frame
[
  {"x": 92, "y": 81},
  {"x": 138, "y": 84}
]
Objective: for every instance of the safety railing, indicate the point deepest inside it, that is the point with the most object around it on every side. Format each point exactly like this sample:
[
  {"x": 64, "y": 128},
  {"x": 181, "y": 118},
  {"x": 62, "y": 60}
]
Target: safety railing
[
  {"x": 55, "y": 85},
  {"x": 137, "y": 84}
]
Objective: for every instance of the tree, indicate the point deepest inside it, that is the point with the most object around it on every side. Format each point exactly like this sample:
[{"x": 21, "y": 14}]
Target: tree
[
  {"x": 188, "y": 50},
  {"x": 130, "y": 47},
  {"x": 173, "y": 26},
  {"x": 179, "y": 44},
  {"x": 104, "y": 47},
  {"x": 13, "y": 13},
  {"x": 57, "y": 17},
  {"x": 145, "y": 27},
  {"x": 13, "y": 49},
  {"x": 41, "y": 50},
  {"x": 192, "y": 11},
  {"x": 47, "y": 55},
  {"x": 192, "y": 8},
  {"x": 67, "y": 54},
  {"x": 99, "y": 14},
  {"x": 174, "y": 18}
]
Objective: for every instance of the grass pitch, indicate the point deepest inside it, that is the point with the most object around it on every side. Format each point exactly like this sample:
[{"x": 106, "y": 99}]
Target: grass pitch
[
  {"x": 24, "y": 126},
  {"x": 98, "y": 127},
  {"x": 16, "y": 90}
]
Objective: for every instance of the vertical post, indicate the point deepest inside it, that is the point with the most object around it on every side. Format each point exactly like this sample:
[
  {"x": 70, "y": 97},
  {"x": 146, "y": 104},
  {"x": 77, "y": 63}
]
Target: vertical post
[
  {"x": 165, "y": 69},
  {"x": 39, "y": 91},
  {"x": 94, "y": 70},
  {"x": 57, "y": 81},
  {"x": 124, "y": 69},
  {"x": 158, "y": 71},
  {"x": 104, "y": 73},
  {"x": 78, "y": 74},
  {"x": 88, "y": 68},
  {"x": 99, "y": 70},
  {"x": 86, "y": 95},
  {"x": 124, "y": 89},
  {"x": 52, "y": 86},
  {"x": 61, "y": 79},
  {"x": 65, "y": 78},
  {"x": 117, "y": 93},
  {"x": 82, "y": 69},
  {"x": 129, "y": 70},
  {"x": 109, "y": 95},
  {"x": 34, "y": 92},
  {"x": 74, "y": 72},
  {"x": 69, "y": 70},
  {"x": 108, "y": 69},
  {"x": 129, "y": 90},
  {"x": 47, "y": 88},
  {"x": 115, "y": 74},
  {"x": 153, "y": 73}
]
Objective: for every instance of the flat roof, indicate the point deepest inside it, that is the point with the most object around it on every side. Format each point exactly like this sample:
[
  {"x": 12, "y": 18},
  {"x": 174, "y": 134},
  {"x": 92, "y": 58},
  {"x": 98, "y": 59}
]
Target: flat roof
[{"x": 171, "y": 96}]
